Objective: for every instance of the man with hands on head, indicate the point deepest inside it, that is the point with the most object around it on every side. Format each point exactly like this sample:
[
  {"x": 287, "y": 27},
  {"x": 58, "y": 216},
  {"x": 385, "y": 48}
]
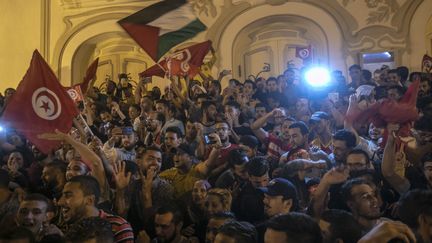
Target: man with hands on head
[
  {"x": 187, "y": 171},
  {"x": 277, "y": 144},
  {"x": 138, "y": 195}
]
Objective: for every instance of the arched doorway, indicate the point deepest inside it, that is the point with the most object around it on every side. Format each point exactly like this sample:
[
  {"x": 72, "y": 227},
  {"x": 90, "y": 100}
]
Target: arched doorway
[{"x": 288, "y": 25}]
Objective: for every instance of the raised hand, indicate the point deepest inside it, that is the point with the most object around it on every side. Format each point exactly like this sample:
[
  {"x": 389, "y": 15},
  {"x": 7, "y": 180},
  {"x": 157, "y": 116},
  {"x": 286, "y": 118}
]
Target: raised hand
[
  {"x": 122, "y": 179},
  {"x": 389, "y": 230},
  {"x": 336, "y": 176}
]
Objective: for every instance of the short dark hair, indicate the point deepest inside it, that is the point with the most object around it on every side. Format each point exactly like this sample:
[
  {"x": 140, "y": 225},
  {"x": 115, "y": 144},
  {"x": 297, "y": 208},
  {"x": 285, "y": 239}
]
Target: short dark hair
[
  {"x": 300, "y": 125},
  {"x": 271, "y": 79},
  {"x": 347, "y": 136},
  {"x": 426, "y": 158},
  {"x": 298, "y": 227},
  {"x": 413, "y": 204},
  {"x": 237, "y": 157},
  {"x": 171, "y": 207},
  {"x": 258, "y": 166},
  {"x": 348, "y": 185},
  {"x": 233, "y": 104},
  {"x": 367, "y": 75},
  {"x": 90, "y": 228},
  {"x": 217, "y": 84},
  {"x": 362, "y": 152},
  {"x": 163, "y": 102},
  {"x": 88, "y": 184},
  {"x": 241, "y": 231},
  {"x": 40, "y": 198},
  {"x": 248, "y": 81},
  {"x": 206, "y": 104},
  {"x": 342, "y": 225},
  {"x": 250, "y": 141},
  {"x": 400, "y": 89},
  {"x": 354, "y": 66},
  {"x": 393, "y": 71},
  {"x": 160, "y": 117},
  {"x": 403, "y": 72},
  {"x": 175, "y": 130},
  {"x": 136, "y": 106},
  {"x": 58, "y": 165},
  {"x": 375, "y": 178},
  {"x": 141, "y": 151}
]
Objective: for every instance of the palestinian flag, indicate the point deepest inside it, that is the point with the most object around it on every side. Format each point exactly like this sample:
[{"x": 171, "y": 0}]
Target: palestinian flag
[{"x": 161, "y": 26}]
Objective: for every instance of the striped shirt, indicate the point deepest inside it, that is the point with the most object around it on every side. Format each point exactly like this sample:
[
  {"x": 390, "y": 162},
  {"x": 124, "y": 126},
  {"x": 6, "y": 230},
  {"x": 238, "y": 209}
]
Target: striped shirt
[
  {"x": 120, "y": 227},
  {"x": 276, "y": 146}
]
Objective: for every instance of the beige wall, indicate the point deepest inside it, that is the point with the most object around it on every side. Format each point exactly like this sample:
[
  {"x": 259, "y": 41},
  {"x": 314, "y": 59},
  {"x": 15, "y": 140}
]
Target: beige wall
[
  {"x": 20, "y": 34},
  {"x": 71, "y": 33}
]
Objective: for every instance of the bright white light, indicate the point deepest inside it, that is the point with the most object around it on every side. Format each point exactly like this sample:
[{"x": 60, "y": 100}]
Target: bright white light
[
  {"x": 317, "y": 77},
  {"x": 387, "y": 53},
  {"x": 1, "y": 129}
]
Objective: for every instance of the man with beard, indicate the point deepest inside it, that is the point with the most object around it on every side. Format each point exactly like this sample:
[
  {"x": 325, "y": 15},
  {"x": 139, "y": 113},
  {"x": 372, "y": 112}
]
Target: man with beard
[
  {"x": 187, "y": 171},
  {"x": 299, "y": 134},
  {"x": 78, "y": 201},
  {"x": 35, "y": 170},
  {"x": 53, "y": 178},
  {"x": 173, "y": 137},
  {"x": 33, "y": 214},
  {"x": 136, "y": 198},
  {"x": 320, "y": 125},
  {"x": 425, "y": 87},
  {"x": 152, "y": 134},
  {"x": 168, "y": 223},
  {"x": 362, "y": 199},
  {"x": 127, "y": 151},
  {"x": 169, "y": 111},
  {"x": 280, "y": 197},
  {"x": 208, "y": 116},
  {"x": 278, "y": 141},
  {"x": 343, "y": 142}
]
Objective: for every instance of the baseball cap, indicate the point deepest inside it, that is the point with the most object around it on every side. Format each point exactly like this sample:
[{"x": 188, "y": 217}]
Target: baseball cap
[
  {"x": 127, "y": 130},
  {"x": 280, "y": 187},
  {"x": 317, "y": 116}
]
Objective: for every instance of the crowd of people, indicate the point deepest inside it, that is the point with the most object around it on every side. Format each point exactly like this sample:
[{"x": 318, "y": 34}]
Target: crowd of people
[{"x": 266, "y": 160}]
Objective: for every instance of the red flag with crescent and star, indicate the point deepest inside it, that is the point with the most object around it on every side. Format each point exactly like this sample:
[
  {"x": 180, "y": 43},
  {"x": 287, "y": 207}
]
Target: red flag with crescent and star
[
  {"x": 40, "y": 105},
  {"x": 305, "y": 53}
]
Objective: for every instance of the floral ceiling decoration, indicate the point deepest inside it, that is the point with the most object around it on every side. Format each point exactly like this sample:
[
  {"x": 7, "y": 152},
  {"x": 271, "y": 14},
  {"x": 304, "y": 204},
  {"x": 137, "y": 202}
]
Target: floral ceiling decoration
[{"x": 380, "y": 10}]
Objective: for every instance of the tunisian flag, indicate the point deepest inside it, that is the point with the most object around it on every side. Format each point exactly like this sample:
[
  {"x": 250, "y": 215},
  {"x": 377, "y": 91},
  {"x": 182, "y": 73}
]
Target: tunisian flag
[
  {"x": 304, "y": 53},
  {"x": 40, "y": 105},
  {"x": 186, "y": 61},
  {"x": 74, "y": 91}
]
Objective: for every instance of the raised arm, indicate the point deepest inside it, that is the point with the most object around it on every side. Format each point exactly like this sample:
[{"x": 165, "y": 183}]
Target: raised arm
[
  {"x": 332, "y": 177},
  {"x": 205, "y": 167},
  {"x": 399, "y": 183},
  {"x": 86, "y": 153},
  {"x": 259, "y": 123},
  {"x": 122, "y": 181}
]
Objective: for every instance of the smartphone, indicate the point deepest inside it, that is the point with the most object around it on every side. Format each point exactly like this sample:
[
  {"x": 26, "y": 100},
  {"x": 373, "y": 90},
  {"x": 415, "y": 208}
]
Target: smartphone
[{"x": 208, "y": 139}]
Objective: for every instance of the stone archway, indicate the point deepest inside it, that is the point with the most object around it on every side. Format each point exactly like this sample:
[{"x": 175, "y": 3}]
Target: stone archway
[
  {"x": 337, "y": 57},
  {"x": 75, "y": 50}
]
